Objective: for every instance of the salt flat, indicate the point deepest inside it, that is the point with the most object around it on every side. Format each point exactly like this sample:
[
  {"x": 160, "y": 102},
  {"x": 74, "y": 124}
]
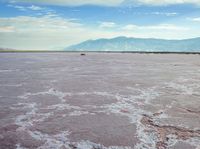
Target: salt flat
[{"x": 99, "y": 101}]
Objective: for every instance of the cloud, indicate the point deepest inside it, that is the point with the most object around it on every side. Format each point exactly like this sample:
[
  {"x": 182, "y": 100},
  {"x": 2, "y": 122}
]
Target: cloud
[
  {"x": 45, "y": 32},
  {"x": 36, "y": 10},
  {"x": 161, "y": 31},
  {"x": 109, "y": 2},
  {"x": 160, "y": 27},
  {"x": 107, "y": 25},
  {"x": 163, "y": 2},
  {"x": 73, "y": 2},
  {"x": 33, "y": 7},
  {"x": 168, "y": 14},
  {"x": 194, "y": 19},
  {"x": 158, "y": 13},
  {"x": 25, "y": 8},
  {"x": 21, "y": 8},
  {"x": 38, "y": 32},
  {"x": 130, "y": 27},
  {"x": 6, "y": 29}
]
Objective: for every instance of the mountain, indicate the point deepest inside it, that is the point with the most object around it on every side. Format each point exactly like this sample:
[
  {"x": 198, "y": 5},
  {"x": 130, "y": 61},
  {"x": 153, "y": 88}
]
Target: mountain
[{"x": 138, "y": 44}]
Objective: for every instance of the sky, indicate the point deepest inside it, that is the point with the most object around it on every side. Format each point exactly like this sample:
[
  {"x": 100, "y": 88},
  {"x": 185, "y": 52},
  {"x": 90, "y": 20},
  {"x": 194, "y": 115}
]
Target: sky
[{"x": 57, "y": 24}]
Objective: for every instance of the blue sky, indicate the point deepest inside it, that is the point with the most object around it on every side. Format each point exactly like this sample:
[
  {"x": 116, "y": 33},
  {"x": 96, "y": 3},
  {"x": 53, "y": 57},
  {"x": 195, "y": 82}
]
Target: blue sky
[{"x": 56, "y": 24}]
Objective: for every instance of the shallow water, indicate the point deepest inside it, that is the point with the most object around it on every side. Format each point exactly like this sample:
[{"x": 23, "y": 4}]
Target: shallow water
[{"x": 101, "y": 100}]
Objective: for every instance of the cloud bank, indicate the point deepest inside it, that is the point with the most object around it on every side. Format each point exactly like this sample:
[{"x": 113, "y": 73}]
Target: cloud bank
[
  {"x": 108, "y": 2},
  {"x": 73, "y": 2},
  {"x": 45, "y": 33},
  {"x": 167, "y": 2}
]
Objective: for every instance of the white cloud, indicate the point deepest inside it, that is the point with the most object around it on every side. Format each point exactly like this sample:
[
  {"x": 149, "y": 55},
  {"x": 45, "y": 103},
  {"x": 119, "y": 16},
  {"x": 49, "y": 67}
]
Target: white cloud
[
  {"x": 25, "y": 8},
  {"x": 160, "y": 27},
  {"x": 21, "y": 8},
  {"x": 33, "y": 7},
  {"x": 194, "y": 19},
  {"x": 74, "y": 2},
  {"x": 110, "y": 2},
  {"x": 130, "y": 27},
  {"x": 38, "y": 33},
  {"x": 6, "y": 29},
  {"x": 161, "y": 31},
  {"x": 160, "y": 13},
  {"x": 45, "y": 33},
  {"x": 168, "y": 14},
  {"x": 107, "y": 25},
  {"x": 167, "y": 2}
]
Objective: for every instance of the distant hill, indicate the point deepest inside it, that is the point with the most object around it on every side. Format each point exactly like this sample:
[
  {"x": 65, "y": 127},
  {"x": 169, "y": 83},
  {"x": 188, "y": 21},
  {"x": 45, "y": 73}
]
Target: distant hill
[
  {"x": 138, "y": 44},
  {"x": 7, "y": 49},
  {"x": 3, "y": 49}
]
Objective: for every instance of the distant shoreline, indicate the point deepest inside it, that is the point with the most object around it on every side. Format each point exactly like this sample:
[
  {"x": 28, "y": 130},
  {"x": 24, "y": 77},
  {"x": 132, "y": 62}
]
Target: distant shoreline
[{"x": 133, "y": 52}]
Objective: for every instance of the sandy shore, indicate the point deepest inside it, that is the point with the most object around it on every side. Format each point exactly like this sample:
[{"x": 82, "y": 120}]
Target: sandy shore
[{"x": 99, "y": 101}]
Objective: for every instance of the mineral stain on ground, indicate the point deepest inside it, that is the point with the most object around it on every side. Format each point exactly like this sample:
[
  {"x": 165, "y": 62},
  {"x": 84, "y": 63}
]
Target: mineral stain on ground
[{"x": 99, "y": 101}]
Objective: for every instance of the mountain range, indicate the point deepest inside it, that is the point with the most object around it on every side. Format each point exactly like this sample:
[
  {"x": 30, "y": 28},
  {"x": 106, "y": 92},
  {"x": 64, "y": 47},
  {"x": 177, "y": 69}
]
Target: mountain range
[{"x": 138, "y": 44}]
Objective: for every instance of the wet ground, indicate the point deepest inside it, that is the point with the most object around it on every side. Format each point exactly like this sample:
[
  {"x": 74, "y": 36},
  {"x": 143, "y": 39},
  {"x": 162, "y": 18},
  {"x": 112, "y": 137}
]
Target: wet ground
[{"x": 99, "y": 101}]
